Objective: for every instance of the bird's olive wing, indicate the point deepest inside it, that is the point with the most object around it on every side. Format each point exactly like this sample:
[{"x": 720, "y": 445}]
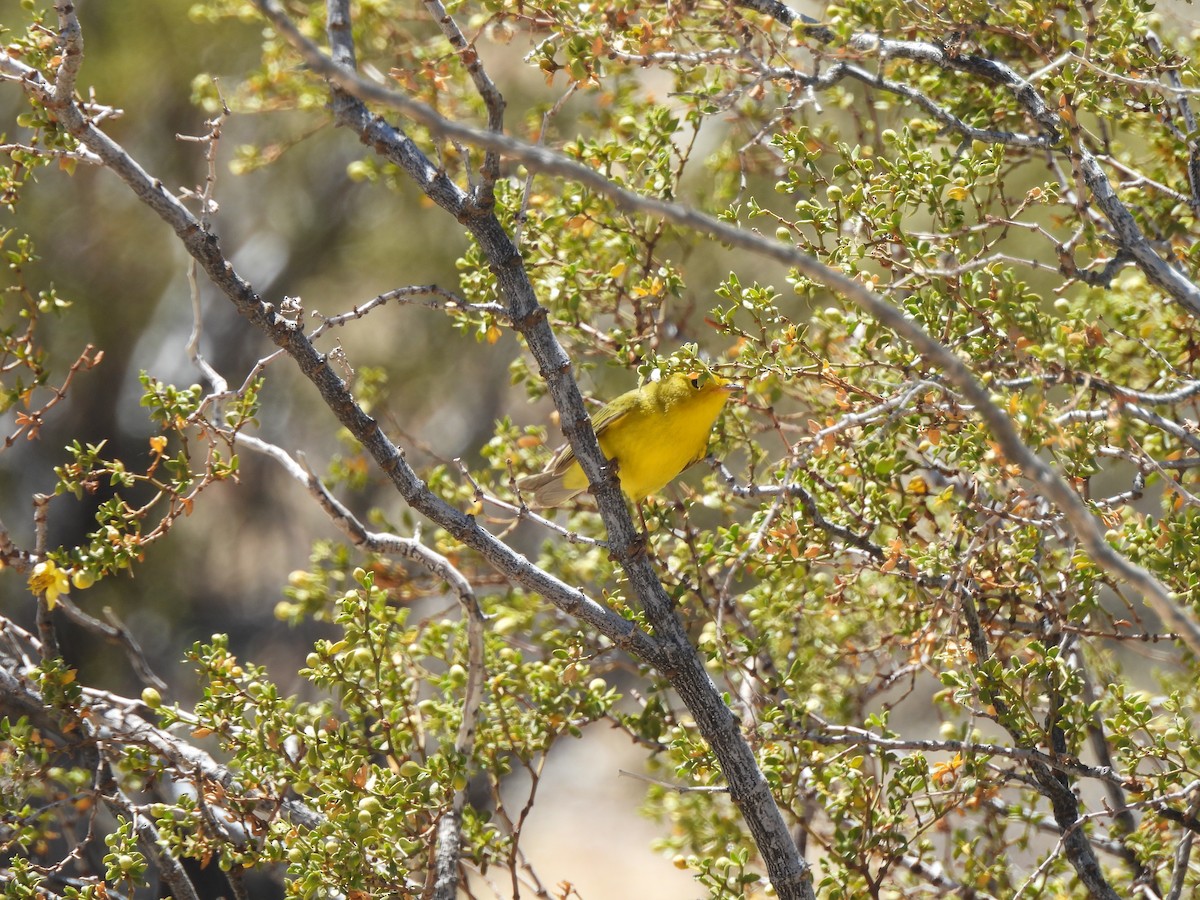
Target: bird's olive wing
[{"x": 609, "y": 415}]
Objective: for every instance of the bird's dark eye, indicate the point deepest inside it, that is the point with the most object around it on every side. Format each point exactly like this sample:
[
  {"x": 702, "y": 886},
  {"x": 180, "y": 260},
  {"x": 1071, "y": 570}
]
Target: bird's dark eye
[{"x": 694, "y": 381}]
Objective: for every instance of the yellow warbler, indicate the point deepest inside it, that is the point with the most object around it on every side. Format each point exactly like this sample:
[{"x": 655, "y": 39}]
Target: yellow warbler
[{"x": 653, "y": 433}]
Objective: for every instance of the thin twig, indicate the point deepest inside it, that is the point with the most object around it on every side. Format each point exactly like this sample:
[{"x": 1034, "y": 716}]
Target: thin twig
[{"x": 116, "y": 631}]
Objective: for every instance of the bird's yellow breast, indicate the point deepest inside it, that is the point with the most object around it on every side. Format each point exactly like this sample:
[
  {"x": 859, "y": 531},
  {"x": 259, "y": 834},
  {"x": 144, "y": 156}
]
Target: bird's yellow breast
[{"x": 651, "y": 446}]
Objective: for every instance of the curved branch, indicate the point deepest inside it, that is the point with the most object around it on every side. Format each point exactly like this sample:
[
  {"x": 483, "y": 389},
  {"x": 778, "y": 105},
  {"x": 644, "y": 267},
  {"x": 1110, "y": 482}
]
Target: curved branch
[{"x": 449, "y": 840}]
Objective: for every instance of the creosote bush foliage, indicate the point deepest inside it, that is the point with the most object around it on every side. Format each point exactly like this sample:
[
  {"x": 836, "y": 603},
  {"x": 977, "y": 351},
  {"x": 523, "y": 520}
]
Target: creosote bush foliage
[{"x": 924, "y": 622}]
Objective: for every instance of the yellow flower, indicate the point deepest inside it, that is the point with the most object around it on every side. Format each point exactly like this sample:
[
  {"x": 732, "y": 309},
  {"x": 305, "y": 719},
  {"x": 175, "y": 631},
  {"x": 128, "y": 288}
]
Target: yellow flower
[
  {"x": 49, "y": 579},
  {"x": 944, "y": 774}
]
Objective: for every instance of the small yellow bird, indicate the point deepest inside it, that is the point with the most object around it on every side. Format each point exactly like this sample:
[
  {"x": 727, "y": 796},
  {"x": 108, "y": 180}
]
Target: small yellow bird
[{"x": 653, "y": 433}]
